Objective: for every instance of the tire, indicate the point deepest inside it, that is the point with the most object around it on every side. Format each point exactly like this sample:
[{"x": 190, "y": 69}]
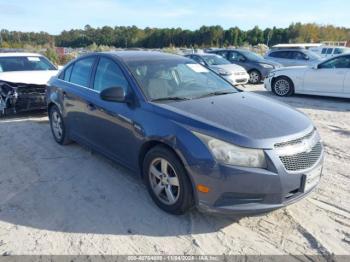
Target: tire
[
  {"x": 254, "y": 77},
  {"x": 168, "y": 177},
  {"x": 58, "y": 127},
  {"x": 283, "y": 86}
]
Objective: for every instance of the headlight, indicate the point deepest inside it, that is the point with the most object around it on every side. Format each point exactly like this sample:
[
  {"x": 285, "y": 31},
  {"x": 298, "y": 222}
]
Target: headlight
[
  {"x": 223, "y": 72},
  {"x": 266, "y": 66},
  {"x": 230, "y": 154}
]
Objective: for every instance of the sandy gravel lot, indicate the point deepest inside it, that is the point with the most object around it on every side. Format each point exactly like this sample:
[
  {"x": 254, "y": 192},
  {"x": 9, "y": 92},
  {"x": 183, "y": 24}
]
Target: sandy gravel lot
[{"x": 67, "y": 200}]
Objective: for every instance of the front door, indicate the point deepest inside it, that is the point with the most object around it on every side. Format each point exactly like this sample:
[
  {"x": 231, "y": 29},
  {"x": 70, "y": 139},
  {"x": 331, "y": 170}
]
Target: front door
[
  {"x": 328, "y": 77},
  {"x": 111, "y": 127}
]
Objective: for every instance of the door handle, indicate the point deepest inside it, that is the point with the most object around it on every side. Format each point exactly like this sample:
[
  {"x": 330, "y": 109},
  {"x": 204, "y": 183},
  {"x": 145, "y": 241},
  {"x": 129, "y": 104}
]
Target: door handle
[{"x": 91, "y": 106}]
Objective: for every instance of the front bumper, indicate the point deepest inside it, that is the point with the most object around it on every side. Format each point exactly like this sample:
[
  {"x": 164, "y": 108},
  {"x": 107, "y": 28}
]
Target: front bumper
[
  {"x": 239, "y": 190},
  {"x": 267, "y": 83},
  {"x": 237, "y": 79}
]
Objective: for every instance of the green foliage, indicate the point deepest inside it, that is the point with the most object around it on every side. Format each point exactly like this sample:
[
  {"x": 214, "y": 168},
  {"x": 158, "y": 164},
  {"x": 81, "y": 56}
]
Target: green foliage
[
  {"x": 52, "y": 55},
  {"x": 98, "y": 39},
  {"x": 64, "y": 59}
]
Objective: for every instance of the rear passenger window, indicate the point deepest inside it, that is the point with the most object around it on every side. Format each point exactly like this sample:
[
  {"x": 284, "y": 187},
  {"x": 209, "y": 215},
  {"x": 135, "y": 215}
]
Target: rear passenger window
[
  {"x": 279, "y": 54},
  {"x": 81, "y": 71},
  {"x": 108, "y": 74},
  {"x": 274, "y": 54},
  {"x": 298, "y": 56},
  {"x": 67, "y": 72},
  {"x": 329, "y": 51}
]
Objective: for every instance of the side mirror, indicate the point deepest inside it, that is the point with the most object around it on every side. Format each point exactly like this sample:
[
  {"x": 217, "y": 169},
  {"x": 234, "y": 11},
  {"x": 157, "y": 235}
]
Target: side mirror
[
  {"x": 114, "y": 94},
  {"x": 315, "y": 66},
  {"x": 306, "y": 57}
]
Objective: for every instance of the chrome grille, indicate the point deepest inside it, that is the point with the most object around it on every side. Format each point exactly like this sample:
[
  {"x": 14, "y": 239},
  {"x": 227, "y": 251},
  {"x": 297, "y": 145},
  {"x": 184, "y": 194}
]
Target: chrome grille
[
  {"x": 302, "y": 160},
  {"x": 295, "y": 141},
  {"x": 300, "y": 154}
]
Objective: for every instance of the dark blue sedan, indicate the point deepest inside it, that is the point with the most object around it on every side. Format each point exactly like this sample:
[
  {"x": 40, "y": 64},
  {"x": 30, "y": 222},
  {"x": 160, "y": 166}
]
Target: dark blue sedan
[{"x": 195, "y": 139}]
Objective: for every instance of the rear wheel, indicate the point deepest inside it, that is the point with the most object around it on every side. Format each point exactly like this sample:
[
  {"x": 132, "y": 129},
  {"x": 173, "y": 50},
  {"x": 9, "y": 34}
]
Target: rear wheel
[
  {"x": 254, "y": 77},
  {"x": 58, "y": 127},
  {"x": 283, "y": 86},
  {"x": 167, "y": 181}
]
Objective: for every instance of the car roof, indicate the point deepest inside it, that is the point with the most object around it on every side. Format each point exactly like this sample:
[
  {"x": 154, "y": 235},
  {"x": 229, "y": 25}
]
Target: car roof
[
  {"x": 203, "y": 54},
  {"x": 230, "y": 49},
  {"x": 18, "y": 54},
  {"x": 134, "y": 56},
  {"x": 290, "y": 49}
]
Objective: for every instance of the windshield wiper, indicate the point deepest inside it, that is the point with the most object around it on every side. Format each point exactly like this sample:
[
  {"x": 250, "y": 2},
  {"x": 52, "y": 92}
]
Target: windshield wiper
[
  {"x": 173, "y": 98},
  {"x": 217, "y": 93}
]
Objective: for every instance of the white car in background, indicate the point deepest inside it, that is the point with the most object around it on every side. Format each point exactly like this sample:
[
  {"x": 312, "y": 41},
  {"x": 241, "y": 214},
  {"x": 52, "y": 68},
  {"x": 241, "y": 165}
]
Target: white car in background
[
  {"x": 235, "y": 74},
  {"x": 23, "y": 79},
  {"x": 329, "y": 51},
  {"x": 330, "y": 77}
]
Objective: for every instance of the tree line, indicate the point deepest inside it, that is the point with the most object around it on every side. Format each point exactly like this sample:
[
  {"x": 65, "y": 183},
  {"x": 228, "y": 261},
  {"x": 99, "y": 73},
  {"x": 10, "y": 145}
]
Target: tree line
[{"x": 206, "y": 36}]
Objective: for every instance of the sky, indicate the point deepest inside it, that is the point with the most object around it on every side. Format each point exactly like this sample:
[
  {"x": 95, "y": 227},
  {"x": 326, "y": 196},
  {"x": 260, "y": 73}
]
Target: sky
[{"x": 54, "y": 16}]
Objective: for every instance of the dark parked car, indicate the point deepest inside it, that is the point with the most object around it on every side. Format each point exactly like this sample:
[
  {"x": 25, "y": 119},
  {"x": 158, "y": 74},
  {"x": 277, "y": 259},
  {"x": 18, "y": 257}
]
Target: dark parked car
[
  {"x": 235, "y": 74},
  {"x": 193, "y": 137},
  {"x": 257, "y": 67},
  {"x": 293, "y": 57}
]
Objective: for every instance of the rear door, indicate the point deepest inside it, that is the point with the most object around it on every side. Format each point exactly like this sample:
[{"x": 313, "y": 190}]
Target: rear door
[
  {"x": 282, "y": 57},
  {"x": 329, "y": 77},
  {"x": 75, "y": 91}
]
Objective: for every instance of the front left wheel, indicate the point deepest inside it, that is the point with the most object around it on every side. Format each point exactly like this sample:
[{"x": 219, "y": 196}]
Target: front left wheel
[
  {"x": 283, "y": 86},
  {"x": 167, "y": 181}
]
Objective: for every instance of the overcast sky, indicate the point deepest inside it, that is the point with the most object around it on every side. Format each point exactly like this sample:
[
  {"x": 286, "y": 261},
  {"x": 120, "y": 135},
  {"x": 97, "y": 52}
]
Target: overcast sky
[{"x": 53, "y": 16}]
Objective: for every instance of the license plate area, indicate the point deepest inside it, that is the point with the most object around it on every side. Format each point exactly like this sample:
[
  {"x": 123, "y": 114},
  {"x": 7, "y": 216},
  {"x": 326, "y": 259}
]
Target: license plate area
[{"x": 311, "y": 179}]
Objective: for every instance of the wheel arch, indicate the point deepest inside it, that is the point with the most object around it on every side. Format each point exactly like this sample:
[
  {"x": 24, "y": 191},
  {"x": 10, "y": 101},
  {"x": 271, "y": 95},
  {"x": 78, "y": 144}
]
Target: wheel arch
[
  {"x": 147, "y": 146},
  {"x": 274, "y": 79},
  {"x": 254, "y": 69}
]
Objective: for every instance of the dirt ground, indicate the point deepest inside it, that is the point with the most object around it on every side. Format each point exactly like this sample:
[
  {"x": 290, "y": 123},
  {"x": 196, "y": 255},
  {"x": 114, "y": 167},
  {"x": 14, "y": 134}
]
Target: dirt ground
[{"x": 67, "y": 200}]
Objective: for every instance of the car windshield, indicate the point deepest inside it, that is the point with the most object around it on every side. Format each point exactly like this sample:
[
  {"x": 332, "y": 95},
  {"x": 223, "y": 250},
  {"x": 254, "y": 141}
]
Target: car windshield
[
  {"x": 215, "y": 60},
  {"x": 252, "y": 56},
  {"x": 25, "y": 63},
  {"x": 312, "y": 55},
  {"x": 177, "y": 79}
]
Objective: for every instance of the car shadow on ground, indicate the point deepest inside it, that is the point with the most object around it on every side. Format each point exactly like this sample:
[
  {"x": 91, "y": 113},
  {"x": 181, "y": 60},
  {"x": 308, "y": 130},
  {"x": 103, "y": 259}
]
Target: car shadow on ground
[{"x": 70, "y": 189}]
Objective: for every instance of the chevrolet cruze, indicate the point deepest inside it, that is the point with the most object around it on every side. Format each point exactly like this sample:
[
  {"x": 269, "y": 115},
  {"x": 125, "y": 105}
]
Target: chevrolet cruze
[{"x": 194, "y": 138}]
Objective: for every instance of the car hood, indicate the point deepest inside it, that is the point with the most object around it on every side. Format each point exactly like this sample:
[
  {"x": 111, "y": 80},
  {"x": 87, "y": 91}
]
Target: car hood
[
  {"x": 269, "y": 62},
  {"x": 28, "y": 77},
  {"x": 230, "y": 67},
  {"x": 293, "y": 68},
  {"x": 242, "y": 118}
]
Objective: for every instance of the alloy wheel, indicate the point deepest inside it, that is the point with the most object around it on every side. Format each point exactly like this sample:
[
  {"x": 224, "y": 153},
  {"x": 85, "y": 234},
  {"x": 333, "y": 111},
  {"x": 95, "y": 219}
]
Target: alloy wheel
[
  {"x": 254, "y": 77},
  {"x": 56, "y": 122},
  {"x": 164, "y": 181},
  {"x": 282, "y": 87}
]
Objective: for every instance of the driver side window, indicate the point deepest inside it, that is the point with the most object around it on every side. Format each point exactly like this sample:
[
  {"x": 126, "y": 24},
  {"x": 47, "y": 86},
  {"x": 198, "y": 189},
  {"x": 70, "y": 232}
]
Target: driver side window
[
  {"x": 234, "y": 56},
  {"x": 108, "y": 74},
  {"x": 338, "y": 62}
]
